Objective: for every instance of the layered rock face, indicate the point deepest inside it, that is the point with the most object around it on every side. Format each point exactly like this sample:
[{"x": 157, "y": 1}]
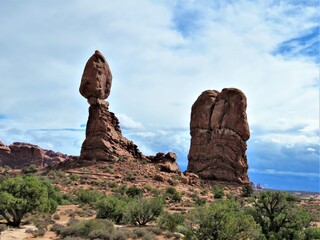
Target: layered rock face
[
  {"x": 219, "y": 131},
  {"x": 104, "y": 140},
  {"x": 19, "y": 155}
]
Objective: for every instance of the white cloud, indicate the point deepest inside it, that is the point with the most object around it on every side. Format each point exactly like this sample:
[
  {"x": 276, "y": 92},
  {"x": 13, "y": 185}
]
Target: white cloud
[{"x": 128, "y": 123}]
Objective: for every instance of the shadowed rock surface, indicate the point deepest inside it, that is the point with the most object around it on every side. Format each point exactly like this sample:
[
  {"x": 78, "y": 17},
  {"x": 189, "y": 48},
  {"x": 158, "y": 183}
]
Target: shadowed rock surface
[
  {"x": 219, "y": 131},
  {"x": 19, "y": 155},
  {"x": 166, "y": 162},
  {"x": 104, "y": 140}
]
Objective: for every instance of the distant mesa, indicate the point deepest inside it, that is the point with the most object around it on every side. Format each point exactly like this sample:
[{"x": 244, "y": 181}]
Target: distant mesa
[
  {"x": 104, "y": 140},
  {"x": 219, "y": 130},
  {"x": 18, "y": 155}
]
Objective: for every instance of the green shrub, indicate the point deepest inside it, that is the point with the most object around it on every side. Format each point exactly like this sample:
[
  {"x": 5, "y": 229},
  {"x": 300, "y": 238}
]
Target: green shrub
[
  {"x": 74, "y": 177},
  {"x": 140, "y": 232},
  {"x": 112, "y": 184},
  {"x": 173, "y": 194},
  {"x": 100, "y": 234},
  {"x": 312, "y": 233},
  {"x": 29, "y": 169},
  {"x": 200, "y": 201},
  {"x": 279, "y": 216},
  {"x": 142, "y": 211},
  {"x": 218, "y": 192},
  {"x": 57, "y": 228},
  {"x": 86, "y": 227},
  {"x": 26, "y": 194},
  {"x": 88, "y": 196},
  {"x": 121, "y": 235},
  {"x": 170, "y": 221},
  {"x": 112, "y": 208},
  {"x": 222, "y": 220},
  {"x": 134, "y": 191},
  {"x": 156, "y": 230},
  {"x": 247, "y": 190}
]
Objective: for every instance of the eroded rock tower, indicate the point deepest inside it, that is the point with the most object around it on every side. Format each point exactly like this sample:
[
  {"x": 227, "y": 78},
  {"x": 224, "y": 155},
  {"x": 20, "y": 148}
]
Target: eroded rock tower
[{"x": 219, "y": 130}]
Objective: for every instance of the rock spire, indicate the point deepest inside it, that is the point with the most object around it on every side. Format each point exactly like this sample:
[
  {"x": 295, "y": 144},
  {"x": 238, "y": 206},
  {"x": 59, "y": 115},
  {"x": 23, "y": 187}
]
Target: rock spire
[
  {"x": 104, "y": 140},
  {"x": 219, "y": 131}
]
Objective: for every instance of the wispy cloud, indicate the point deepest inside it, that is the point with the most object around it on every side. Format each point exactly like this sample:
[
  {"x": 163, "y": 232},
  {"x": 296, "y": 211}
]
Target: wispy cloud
[{"x": 285, "y": 173}]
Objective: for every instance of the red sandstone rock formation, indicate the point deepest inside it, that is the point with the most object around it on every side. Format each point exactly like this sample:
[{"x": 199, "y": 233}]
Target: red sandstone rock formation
[
  {"x": 219, "y": 131},
  {"x": 104, "y": 140},
  {"x": 167, "y": 162},
  {"x": 18, "y": 155}
]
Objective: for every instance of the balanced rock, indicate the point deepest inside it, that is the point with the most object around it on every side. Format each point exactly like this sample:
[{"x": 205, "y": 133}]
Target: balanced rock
[
  {"x": 219, "y": 131},
  {"x": 19, "y": 155},
  {"x": 104, "y": 140},
  {"x": 96, "y": 78}
]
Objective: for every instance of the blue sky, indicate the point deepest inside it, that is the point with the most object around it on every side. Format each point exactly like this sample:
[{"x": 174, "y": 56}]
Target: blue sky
[{"x": 163, "y": 54}]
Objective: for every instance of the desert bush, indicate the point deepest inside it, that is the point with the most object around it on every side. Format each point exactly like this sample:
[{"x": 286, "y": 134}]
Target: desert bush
[
  {"x": 29, "y": 169},
  {"x": 129, "y": 177},
  {"x": 121, "y": 190},
  {"x": 101, "y": 234},
  {"x": 56, "y": 217},
  {"x": 312, "y": 233},
  {"x": 26, "y": 194},
  {"x": 140, "y": 232},
  {"x": 247, "y": 190},
  {"x": 88, "y": 196},
  {"x": 222, "y": 220},
  {"x": 278, "y": 215},
  {"x": 156, "y": 230},
  {"x": 112, "y": 184},
  {"x": 170, "y": 221},
  {"x": 218, "y": 192},
  {"x": 67, "y": 199},
  {"x": 141, "y": 211},
  {"x": 173, "y": 194},
  {"x": 74, "y": 177},
  {"x": 41, "y": 220},
  {"x": 86, "y": 227},
  {"x": 57, "y": 228},
  {"x": 121, "y": 235},
  {"x": 134, "y": 191},
  {"x": 111, "y": 207}
]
